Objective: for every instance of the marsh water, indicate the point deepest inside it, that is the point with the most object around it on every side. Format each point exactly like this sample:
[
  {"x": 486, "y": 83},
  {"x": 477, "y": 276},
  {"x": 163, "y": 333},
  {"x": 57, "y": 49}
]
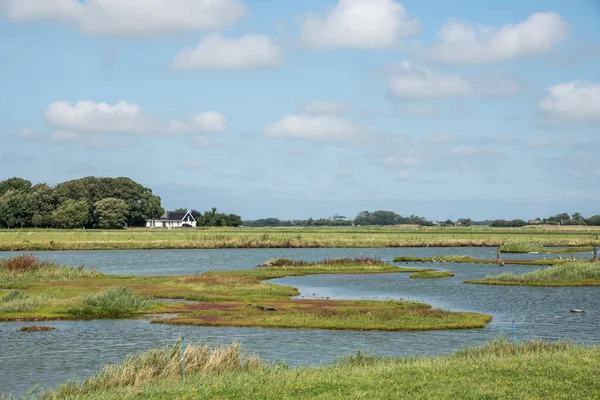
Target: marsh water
[{"x": 78, "y": 348}]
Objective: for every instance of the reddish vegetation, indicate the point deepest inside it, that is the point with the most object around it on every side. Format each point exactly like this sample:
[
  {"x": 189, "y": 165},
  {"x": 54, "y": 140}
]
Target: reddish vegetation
[
  {"x": 23, "y": 263},
  {"x": 210, "y": 307}
]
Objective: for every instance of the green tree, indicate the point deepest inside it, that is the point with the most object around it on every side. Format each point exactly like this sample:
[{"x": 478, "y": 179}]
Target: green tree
[
  {"x": 71, "y": 214},
  {"x": 43, "y": 202},
  {"x": 15, "y": 209},
  {"x": 111, "y": 213},
  {"x": 18, "y": 184}
]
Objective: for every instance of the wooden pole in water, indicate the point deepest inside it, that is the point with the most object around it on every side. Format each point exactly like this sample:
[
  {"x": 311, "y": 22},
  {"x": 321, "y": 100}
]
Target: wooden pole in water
[
  {"x": 498, "y": 255},
  {"x": 595, "y": 254}
]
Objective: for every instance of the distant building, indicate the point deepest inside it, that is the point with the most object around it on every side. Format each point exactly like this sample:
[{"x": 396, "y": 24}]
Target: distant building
[
  {"x": 536, "y": 221},
  {"x": 172, "y": 219}
]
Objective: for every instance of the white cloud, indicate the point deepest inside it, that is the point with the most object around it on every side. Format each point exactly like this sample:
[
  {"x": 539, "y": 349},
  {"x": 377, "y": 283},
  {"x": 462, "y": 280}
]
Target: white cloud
[
  {"x": 410, "y": 81},
  {"x": 574, "y": 102},
  {"x": 125, "y": 118},
  {"x": 131, "y": 18},
  {"x": 325, "y": 107},
  {"x": 308, "y": 127},
  {"x": 359, "y": 24},
  {"x": 402, "y": 175},
  {"x": 413, "y": 82},
  {"x": 29, "y": 134},
  {"x": 461, "y": 43},
  {"x": 209, "y": 121},
  {"x": 218, "y": 52}
]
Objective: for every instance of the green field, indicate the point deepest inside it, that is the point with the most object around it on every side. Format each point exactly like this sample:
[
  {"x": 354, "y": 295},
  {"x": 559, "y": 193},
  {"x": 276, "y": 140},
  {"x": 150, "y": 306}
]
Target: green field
[
  {"x": 295, "y": 237},
  {"x": 540, "y": 371}
]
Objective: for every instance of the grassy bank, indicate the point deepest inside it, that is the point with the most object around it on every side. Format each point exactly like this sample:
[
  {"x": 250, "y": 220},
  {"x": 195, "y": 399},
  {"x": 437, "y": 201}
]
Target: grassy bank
[
  {"x": 432, "y": 274},
  {"x": 289, "y": 237},
  {"x": 540, "y": 371},
  {"x": 232, "y": 298},
  {"x": 582, "y": 273},
  {"x": 474, "y": 260}
]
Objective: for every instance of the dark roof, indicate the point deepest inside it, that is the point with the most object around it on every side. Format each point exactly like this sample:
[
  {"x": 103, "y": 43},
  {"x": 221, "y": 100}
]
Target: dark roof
[{"x": 175, "y": 215}]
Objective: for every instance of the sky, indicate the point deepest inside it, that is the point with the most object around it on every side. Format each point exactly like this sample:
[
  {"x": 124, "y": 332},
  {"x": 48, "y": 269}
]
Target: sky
[{"x": 297, "y": 109}]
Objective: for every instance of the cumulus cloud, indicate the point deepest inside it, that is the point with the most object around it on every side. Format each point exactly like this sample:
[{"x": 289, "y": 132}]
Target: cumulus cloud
[
  {"x": 462, "y": 43},
  {"x": 410, "y": 81},
  {"x": 366, "y": 24},
  {"x": 309, "y": 127},
  {"x": 218, "y": 52},
  {"x": 209, "y": 121},
  {"x": 125, "y": 118},
  {"x": 413, "y": 82},
  {"x": 574, "y": 102},
  {"x": 131, "y": 18},
  {"x": 325, "y": 107}
]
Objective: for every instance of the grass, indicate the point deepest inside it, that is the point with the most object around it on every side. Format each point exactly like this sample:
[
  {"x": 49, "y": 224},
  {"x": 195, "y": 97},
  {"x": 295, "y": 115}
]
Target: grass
[
  {"x": 161, "y": 364},
  {"x": 27, "y": 268},
  {"x": 290, "y": 237},
  {"x": 432, "y": 274},
  {"x": 232, "y": 298},
  {"x": 523, "y": 247},
  {"x": 582, "y": 273},
  {"x": 474, "y": 260},
  {"x": 113, "y": 302},
  {"x": 559, "y": 370}
]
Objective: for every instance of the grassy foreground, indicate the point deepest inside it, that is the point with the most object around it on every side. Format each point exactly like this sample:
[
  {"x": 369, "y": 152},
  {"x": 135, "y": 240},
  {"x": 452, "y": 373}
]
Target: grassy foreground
[
  {"x": 290, "y": 237},
  {"x": 541, "y": 371},
  {"x": 35, "y": 290},
  {"x": 581, "y": 273}
]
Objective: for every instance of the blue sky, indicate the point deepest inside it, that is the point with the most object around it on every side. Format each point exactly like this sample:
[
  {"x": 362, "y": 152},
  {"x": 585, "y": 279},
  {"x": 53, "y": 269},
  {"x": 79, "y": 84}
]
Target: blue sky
[{"x": 310, "y": 108}]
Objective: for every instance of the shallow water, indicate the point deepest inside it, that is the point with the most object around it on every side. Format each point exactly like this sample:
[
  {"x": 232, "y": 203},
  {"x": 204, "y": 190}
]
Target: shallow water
[{"x": 78, "y": 348}]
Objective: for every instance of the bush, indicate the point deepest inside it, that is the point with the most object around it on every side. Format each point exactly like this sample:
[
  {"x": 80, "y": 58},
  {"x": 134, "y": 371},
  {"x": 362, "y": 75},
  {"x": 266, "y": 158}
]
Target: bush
[{"x": 114, "y": 302}]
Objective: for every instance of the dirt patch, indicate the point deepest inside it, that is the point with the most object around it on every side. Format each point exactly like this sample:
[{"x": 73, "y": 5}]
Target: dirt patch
[{"x": 210, "y": 307}]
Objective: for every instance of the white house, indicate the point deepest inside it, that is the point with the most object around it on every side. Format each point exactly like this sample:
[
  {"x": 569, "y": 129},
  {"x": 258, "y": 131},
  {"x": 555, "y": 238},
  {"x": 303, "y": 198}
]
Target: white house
[{"x": 172, "y": 219}]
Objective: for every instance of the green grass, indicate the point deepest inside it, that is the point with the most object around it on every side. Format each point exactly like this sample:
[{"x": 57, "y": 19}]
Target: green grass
[
  {"x": 232, "y": 298},
  {"x": 523, "y": 247},
  {"x": 473, "y": 260},
  {"x": 582, "y": 273},
  {"x": 432, "y": 274},
  {"x": 541, "y": 371},
  {"x": 113, "y": 302},
  {"x": 289, "y": 237}
]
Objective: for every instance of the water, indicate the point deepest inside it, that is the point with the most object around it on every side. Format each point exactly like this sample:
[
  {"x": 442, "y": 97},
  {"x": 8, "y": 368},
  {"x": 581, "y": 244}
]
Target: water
[
  {"x": 185, "y": 262},
  {"x": 78, "y": 348}
]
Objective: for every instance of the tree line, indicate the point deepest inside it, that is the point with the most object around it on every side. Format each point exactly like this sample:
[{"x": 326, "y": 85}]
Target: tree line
[{"x": 89, "y": 202}]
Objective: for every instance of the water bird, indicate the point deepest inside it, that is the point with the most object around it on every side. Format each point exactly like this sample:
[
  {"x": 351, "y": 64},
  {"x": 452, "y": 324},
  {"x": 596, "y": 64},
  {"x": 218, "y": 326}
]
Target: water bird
[{"x": 577, "y": 310}]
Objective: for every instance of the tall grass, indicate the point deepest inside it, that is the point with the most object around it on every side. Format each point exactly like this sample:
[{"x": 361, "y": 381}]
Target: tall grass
[
  {"x": 523, "y": 247},
  {"x": 562, "y": 273},
  {"x": 17, "y": 301},
  {"x": 541, "y": 371},
  {"x": 164, "y": 363},
  {"x": 26, "y": 267},
  {"x": 113, "y": 302}
]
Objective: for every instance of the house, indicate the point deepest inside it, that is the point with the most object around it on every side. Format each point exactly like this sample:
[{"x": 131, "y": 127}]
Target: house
[{"x": 172, "y": 219}]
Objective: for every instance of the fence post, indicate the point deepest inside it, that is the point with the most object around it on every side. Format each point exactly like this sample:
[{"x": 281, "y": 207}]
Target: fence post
[
  {"x": 595, "y": 254},
  {"x": 182, "y": 358},
  {"x": 515, "y": 338}
]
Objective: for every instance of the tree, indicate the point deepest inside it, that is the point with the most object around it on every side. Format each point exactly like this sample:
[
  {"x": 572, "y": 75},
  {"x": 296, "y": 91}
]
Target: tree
[
  {"x": 15, "y": 209},
  {"x": 181, "y": 209},
  {"x": 18, "y": 184},
  {"x": 464, "y": 221},
  {"x": 71, "y": 214},
  {"x": 43, "y": 202},
  {"x": 111, "y": 213}
]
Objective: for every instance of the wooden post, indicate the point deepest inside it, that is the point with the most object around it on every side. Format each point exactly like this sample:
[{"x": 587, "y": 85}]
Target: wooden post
[
  {"x": 595, "y": 254},
  {"x": 498, "y": 255}
]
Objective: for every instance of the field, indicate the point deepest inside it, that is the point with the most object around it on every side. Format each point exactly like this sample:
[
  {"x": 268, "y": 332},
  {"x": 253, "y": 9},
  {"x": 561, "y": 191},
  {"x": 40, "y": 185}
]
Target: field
[
  {"x": 294, "y": 237},
  {"x": 541, "y": 371},
  {"x": 34, "y": 290}
]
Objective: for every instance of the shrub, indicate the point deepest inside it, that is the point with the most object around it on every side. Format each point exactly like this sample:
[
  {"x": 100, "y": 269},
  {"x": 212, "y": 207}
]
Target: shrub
[{"x": 113, "y": 302}]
